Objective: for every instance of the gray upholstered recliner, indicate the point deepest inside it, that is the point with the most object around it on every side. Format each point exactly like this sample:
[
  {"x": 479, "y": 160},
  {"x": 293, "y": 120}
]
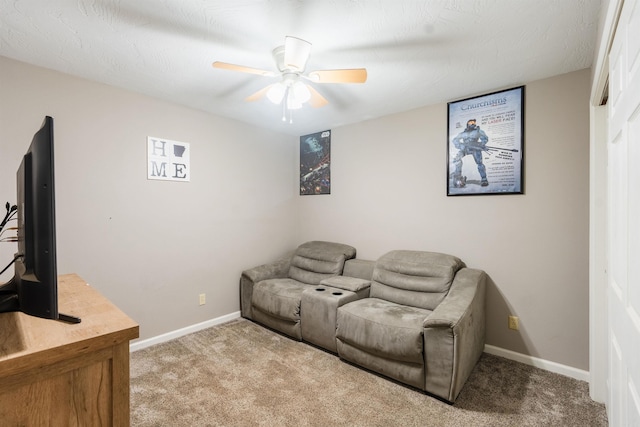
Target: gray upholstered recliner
[
  {"x": 271, "y": 294},
  {"x": 423, "y": 323}
]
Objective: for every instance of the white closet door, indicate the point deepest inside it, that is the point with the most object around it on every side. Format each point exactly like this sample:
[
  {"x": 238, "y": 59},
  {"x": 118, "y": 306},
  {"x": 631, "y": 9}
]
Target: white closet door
[{"x": 624, "y": 219}]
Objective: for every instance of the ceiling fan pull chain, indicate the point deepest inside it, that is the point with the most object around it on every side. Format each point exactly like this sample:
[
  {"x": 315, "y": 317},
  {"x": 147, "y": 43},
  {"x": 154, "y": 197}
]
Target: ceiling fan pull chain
[
  {"x": 286, "y": 106},
  {"x": 285, "y": 99}
]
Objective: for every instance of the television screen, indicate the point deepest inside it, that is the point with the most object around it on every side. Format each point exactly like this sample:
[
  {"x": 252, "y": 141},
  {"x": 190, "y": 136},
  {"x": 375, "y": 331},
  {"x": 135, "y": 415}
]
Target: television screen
[{"x": 34, "y": 287}]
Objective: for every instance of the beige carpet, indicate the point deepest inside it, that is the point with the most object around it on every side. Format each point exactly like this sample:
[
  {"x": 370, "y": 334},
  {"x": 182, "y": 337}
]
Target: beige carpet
[{"x": 241, "y": 374}]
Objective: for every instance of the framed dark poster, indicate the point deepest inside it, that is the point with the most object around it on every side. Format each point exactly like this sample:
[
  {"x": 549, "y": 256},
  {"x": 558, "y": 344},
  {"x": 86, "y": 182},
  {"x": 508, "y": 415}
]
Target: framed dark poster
[
  {"x": 485, "y": 141},
  {"x": 315, "y": 163}
]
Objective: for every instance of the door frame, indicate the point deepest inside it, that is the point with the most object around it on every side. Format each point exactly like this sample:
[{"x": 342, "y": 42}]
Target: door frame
[{"x": 599, "y": 377}]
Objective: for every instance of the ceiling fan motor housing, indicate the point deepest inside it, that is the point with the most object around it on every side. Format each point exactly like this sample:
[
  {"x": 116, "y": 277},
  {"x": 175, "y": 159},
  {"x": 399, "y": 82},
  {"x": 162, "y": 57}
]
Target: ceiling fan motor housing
[{"x": 278, "y": 57}]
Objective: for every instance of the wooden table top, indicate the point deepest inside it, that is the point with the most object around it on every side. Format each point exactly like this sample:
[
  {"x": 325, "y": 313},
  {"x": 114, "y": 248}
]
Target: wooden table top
[{"x": 27, "y": 342}]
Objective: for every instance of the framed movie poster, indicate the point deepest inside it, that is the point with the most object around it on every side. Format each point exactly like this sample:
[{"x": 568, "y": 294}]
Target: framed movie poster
[
  {"x": 485, "y": 141},
  {"x": 315, "y": 162}
]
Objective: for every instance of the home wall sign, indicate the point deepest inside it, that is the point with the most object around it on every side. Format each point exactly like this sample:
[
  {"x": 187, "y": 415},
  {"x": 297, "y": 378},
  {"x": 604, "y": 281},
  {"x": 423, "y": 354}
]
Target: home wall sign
[
  {"x": 168, "y": 160},
  {"x": 485, "y": 144}
]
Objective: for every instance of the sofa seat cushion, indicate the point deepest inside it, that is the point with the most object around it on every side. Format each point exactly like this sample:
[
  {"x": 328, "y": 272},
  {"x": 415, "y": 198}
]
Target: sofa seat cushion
[
  {"x": 383, "y": 328},
  {"x": 279, "y": 298}
]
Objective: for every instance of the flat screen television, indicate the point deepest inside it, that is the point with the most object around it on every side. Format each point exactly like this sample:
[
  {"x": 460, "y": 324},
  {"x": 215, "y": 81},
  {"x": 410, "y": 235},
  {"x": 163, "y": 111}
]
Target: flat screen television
[{"x": 34, "y": 287}]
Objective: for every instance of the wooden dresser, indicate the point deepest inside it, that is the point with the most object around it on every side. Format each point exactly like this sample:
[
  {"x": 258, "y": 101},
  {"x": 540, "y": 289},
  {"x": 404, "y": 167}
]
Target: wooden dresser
[{"x": 60, "y": 374}]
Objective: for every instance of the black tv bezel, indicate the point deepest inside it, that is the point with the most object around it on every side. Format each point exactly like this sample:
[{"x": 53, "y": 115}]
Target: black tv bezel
[{"x": 35, "y": 282}]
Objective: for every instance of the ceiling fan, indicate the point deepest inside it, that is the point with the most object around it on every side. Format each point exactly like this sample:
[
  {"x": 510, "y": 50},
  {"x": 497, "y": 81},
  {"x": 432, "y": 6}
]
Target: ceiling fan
[{"x": 292, "y": 91}]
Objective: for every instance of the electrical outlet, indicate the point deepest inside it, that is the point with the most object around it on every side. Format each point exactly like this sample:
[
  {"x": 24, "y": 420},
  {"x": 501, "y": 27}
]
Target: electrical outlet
[
  {"x": 514, "y": 323},
  {"x": 203, "y": 299}
]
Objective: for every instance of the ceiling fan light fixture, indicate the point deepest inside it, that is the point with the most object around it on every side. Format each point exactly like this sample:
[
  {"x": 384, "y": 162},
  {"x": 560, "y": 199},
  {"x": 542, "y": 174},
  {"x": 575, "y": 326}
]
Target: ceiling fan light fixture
[
  {"x": 293, "y": 103},
  {"x": 300, "y": 92},
  {"x": 276, "y": 93}
]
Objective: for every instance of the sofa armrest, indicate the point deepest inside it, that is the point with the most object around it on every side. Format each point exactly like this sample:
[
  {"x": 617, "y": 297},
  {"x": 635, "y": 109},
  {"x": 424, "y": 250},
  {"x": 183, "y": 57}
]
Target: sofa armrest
[
  {"x": 458, "y": 303},
  {"x": 272, "y": 270},
  {"x": 347, "y": 283},
  {"x": 454, "y": 334}
]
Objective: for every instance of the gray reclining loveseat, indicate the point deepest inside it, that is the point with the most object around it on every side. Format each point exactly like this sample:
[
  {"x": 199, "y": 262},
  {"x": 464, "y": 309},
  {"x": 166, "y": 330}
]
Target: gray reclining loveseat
[
  {"x": 271, "y": 294},
  {"x": 417, "y": 317}
]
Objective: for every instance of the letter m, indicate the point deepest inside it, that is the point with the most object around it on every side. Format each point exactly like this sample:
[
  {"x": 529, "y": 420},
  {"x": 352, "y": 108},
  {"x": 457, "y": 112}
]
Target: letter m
[{"x": 160, "y": 170}]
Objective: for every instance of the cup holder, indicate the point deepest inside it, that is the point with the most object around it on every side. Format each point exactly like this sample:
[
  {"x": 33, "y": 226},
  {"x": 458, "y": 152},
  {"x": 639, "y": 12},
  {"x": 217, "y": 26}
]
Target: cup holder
[
  {"x": 336, "y": 293},
  {"x": 320, "y": 289}
]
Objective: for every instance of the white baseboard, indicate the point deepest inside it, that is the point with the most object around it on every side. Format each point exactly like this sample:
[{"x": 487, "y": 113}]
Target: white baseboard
[
  {"x": 139, "y": 345},
  {"x": 554, "y": 367}
]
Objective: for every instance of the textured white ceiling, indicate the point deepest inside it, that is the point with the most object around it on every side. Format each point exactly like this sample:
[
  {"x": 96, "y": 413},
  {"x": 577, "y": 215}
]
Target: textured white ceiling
[{"x": 416, "y": 53}]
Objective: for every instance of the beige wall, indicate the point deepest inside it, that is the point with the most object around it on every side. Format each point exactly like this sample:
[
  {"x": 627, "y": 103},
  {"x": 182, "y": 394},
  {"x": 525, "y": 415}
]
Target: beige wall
[
  {"x": 152, "y": 247},
  {"x": 389, "y": 192}
]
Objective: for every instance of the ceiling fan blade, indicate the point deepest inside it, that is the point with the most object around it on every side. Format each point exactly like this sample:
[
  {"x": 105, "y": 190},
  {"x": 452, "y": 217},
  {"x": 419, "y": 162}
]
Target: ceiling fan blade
[
  {"x": 242, "y": 69},
  {"x": 316, "y": 100},
  {"x": 296, "y": 53},
  {"x": 259, "y": 94},
  {"x": 353, "y": 75}
]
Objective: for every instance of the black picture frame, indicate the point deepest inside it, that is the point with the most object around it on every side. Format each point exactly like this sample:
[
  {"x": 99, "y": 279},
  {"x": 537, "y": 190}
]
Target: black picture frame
[{"x": 486, "y": 157}]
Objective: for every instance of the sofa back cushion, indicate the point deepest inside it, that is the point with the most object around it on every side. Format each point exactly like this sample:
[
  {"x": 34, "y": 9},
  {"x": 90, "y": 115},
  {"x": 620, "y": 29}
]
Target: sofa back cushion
[
  {"x": 416, "y": 278},
  {"x": 360, "y": 268},
  {"x": 314, "y": 261}
]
